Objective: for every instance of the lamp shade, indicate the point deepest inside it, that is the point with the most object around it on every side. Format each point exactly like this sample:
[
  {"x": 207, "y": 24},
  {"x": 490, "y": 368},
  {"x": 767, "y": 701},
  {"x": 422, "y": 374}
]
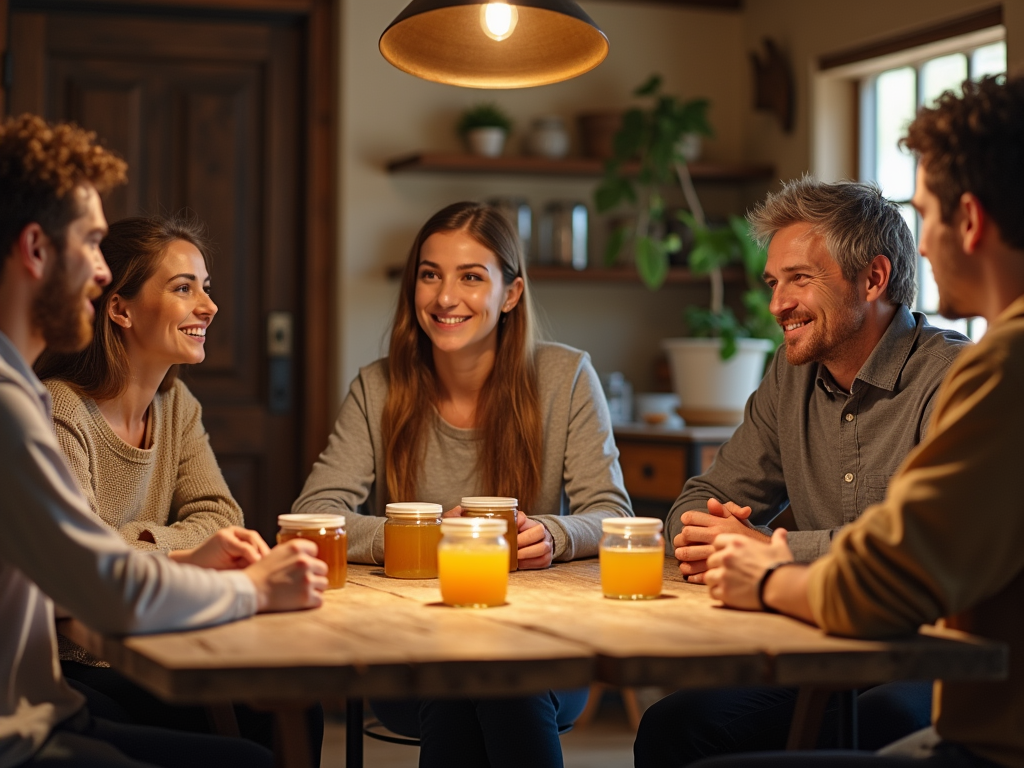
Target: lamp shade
[{"x": 445, "y": 41}]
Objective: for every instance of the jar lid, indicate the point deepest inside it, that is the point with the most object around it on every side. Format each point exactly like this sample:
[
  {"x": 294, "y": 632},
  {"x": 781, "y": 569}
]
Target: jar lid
[
  {"x": 413, "y": 510},
  {"x": 467, "y": 526},
  {"x": 631, "y": 525},
  {"x": 306, "y": 522},
  {"x": 490, "y": 502}
]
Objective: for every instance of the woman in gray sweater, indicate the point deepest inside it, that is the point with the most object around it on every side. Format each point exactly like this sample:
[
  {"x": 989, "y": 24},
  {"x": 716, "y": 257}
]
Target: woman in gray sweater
[
  {"x": 469, "y": 403},
  {"x": 133, "y": 436}
]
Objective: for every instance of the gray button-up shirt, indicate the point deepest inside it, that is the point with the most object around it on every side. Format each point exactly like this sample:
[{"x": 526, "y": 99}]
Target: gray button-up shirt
[{"x": 828, "y": 454}]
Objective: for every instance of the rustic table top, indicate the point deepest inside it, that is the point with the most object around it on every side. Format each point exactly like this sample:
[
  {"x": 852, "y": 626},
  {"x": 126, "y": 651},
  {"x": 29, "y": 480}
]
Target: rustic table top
[{"x": 383, "y": 637}]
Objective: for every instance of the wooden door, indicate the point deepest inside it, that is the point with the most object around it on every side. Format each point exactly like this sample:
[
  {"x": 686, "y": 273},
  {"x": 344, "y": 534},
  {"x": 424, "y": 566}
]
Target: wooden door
[{"x": 208, "y": 111}]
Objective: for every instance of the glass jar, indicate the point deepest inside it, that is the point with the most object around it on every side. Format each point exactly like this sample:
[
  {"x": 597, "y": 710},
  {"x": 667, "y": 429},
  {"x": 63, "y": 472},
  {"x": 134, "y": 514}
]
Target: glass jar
[
  {"x": 632, "y": 558},
  {"x": 472, "y": 562},
  {"x": 411, "y": 535},
  {"x": 501, "y": 508},
  {"x": 328, "y": 533}
]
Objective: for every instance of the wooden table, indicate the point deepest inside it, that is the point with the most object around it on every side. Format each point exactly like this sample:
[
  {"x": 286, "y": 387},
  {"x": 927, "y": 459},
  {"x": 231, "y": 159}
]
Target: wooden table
[{"x": 383, "y": 638}]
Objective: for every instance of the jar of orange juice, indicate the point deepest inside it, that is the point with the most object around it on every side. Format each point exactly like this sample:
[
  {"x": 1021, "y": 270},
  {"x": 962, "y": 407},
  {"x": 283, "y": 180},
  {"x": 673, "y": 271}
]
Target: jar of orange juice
[
  {"x": 328, "y": 533},
  {"x": 411, "y": 535},
  {"x": 500, "y": 508},
  {"x": 472, "y": 562},
  {"x": 632, "y": 558}
]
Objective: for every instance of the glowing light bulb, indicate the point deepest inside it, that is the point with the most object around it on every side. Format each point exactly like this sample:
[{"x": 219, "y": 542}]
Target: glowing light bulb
[{"x": 498, "y": 20}]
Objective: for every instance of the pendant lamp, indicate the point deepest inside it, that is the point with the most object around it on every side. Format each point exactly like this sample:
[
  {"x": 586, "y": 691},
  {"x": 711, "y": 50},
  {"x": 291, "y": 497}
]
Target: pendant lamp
[{"x": 493, "y": 44}]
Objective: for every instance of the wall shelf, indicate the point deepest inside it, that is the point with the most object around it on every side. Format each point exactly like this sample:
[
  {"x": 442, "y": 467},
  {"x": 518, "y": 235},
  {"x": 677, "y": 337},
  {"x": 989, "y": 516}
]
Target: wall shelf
[
  {"x": 454, "y": 162},
  {"x": 551, "y": 274}
]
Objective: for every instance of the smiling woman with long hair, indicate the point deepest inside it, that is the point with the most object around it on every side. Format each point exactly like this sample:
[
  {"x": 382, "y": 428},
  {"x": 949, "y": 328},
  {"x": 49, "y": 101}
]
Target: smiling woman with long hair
[
  {"x": 469, "y": 403},
  {"x": 133, "y": 436}
]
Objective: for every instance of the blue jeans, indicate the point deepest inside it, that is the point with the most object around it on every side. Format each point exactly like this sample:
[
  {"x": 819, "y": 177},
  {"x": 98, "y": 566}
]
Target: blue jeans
[
  {"x": 690, "y": 725},
  {"x": 489, "y": 733}
]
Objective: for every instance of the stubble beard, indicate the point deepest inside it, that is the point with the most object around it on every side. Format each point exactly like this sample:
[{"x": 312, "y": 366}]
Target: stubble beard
[
  {"x": 57, "y": 310},
  {"x": 831, "y": 333}
]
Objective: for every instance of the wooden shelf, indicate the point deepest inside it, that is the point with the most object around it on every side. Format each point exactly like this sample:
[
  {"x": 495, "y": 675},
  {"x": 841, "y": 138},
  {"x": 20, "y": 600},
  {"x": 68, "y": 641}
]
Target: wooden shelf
[
  {"x": 451, "y": 162},
  {"x": 544, "y": 273}
]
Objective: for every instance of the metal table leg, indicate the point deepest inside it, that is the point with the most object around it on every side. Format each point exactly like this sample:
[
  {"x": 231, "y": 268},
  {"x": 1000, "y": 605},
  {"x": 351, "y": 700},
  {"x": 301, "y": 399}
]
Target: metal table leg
[
  {"x": 847, "y": 719},
  {"x": 354, "y": 733}
]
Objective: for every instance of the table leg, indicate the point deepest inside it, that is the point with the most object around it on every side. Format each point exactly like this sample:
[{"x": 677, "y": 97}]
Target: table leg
[
  {"x": 292, "y": 743},
  {"x": 807, "y": 715},
  {"x": 354, "y": 733},
  {"x": 848, "y": 719}
]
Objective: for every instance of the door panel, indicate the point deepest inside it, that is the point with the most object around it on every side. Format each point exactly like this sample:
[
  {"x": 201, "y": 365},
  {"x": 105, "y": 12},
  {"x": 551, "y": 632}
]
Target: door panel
[{"x": 207, "y": 112}]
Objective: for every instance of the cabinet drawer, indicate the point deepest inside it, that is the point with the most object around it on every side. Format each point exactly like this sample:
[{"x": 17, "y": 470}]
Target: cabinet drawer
[{"x": 655, "y": 472}]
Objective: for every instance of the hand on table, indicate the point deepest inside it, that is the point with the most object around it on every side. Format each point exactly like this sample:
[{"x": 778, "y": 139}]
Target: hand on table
[
  {"x": 738, "y": 564},
  {"x": 289, "y": 577},
  {"x": 227, "y": 549},
  {"x": 453, "y": 512},
  {"x": 536, "y": 547},
  {"x": 694, "y": 544}
]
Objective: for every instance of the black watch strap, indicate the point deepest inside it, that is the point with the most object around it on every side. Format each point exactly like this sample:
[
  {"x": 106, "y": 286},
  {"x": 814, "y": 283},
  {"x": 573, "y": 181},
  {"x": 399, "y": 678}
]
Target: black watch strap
[{"x": 764, "y": 580}]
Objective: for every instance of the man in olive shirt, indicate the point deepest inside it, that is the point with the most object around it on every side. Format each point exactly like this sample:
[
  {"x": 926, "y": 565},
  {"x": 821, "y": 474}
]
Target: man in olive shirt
[
  {"x": 843, "y": 402},
  {"x": 914, "y": 558}
]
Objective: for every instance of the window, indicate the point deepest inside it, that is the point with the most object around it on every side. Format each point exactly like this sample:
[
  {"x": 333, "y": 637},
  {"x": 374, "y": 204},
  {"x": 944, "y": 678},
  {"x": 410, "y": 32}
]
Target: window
[{"x": 889, "y": 99}]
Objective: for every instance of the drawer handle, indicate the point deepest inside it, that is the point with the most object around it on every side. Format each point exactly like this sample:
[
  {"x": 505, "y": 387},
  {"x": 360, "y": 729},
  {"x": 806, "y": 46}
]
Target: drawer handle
[{"x": 647, "y": 470}]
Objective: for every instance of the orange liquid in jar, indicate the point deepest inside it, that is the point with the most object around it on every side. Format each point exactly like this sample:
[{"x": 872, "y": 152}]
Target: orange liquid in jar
[
  {"x": 632, "y": 574},
  {"x": 410, "y": 550},
  {"x": 511, "y": 533},
  {"x": 473, "y": 578},
  {"x": 331, "y": 547}
]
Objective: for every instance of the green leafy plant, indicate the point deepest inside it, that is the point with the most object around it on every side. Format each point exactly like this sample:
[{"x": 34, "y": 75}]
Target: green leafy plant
[
  {"x": 483, "y": 116},
  {"x": 651, "y": 138}
]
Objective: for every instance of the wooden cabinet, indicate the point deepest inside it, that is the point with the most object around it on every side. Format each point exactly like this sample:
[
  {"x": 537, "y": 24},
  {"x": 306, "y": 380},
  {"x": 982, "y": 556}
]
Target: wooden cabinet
[{"x": 656, "y": 461}]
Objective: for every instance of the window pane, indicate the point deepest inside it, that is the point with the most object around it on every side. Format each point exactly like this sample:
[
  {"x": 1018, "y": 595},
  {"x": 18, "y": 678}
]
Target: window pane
[
  {"x": 945, "y": 73},
  {"x": 944, "y": 322},
  {"x": 895, "y": 92},
  {"x": 989, "y": 60},
  {"x": 927, "y": 290},
  {"x": 978, "y": 327}
]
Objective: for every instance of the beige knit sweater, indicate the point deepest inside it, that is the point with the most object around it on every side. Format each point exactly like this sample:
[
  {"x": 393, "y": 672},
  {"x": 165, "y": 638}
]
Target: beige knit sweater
[{"x": 173, "y": 489}]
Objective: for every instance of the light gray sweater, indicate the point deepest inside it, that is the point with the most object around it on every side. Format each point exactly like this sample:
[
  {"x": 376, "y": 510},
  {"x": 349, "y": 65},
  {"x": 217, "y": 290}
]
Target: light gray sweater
[
  {"x": 55, "y": 549},
  {"x": 581, "y": 482}
]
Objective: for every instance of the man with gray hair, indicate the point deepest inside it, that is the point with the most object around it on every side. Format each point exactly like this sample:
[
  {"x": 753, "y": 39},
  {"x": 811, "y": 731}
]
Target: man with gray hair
[{"x": 845, "y": 399}]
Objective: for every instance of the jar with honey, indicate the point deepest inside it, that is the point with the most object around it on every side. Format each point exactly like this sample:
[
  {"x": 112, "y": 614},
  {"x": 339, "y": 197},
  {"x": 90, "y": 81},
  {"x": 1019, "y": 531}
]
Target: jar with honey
[
  {"x": 498, "y": 508},
  {"x": 472, "y": 562},
  {"x": 328, "y": 533},
  {"x": 632, "y": 558},
  {"x": 411, "y": 535}
]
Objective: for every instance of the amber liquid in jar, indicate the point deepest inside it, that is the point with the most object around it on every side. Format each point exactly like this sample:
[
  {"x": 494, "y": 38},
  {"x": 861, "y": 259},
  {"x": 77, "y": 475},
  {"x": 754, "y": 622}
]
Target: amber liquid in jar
[
  {"x": 329, "y": 537},
  {"x": 411, "y": 535},
  {"x": 499, "y": 508}
]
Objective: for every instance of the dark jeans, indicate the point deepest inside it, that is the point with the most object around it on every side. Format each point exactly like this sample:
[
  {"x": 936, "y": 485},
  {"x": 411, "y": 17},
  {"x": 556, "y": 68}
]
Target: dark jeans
[
  {"x": 84, "y": 741},
  {"x": 115, "y": 698},
  {"x": 485, "y": 733},
  {"x": 945, "y": 756},
  {"x": 690, "y": 725}
]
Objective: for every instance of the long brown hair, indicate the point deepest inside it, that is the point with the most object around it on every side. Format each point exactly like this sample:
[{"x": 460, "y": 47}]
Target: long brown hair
[
  {"x": 133, "y": 249},
  {"x": 509, "y": 409}
]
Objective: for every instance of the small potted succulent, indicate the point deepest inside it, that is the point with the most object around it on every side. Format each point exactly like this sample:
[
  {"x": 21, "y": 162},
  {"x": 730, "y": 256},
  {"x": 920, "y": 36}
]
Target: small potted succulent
[
  {"x": 485, "y": 128},
  {"x": 706, "y": 369}
]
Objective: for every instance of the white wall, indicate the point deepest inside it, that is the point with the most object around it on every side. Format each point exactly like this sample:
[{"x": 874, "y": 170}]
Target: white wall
[{"x": 385, "y": 113}]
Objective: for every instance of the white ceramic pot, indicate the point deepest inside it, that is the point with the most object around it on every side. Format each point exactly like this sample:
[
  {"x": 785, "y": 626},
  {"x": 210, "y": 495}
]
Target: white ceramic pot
[
  {"x": 548, "y": 137},
  {"x": 489, "y": 142},
  {"x": 712, "y": 390}
]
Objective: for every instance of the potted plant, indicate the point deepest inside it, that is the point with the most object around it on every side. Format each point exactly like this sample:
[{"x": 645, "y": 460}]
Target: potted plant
[
  {"x": 714, "y": 372},
  {"x": 484, "y": 128}
]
